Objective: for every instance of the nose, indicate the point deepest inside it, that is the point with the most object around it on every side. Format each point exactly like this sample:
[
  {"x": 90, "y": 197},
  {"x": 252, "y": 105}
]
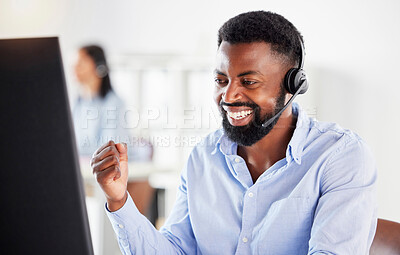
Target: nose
[{"x": 232, "y": 93}]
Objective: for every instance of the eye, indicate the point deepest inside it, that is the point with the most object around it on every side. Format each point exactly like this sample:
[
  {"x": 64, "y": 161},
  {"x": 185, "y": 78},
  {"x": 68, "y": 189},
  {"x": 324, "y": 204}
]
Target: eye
[
  {"x": 220, "y": 82},
  {"x": 248, "y": 82}
]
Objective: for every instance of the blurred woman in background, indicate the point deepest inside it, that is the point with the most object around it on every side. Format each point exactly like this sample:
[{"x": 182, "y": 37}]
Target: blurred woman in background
[
  {"x": 99, "y": 116},
  {"x": 97, "y": 111}
]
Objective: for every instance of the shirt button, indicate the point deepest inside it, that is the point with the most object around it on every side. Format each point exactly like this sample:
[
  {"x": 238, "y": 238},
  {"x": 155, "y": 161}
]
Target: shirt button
[
  {"x": 251, "y": 194},
  {"x": 245, "y": 240},
  {"x": 237, "y": 160},
  {"x": 120, "y": 226}
]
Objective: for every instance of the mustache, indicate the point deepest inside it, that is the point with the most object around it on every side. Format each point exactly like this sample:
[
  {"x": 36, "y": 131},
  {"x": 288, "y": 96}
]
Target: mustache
[{"x": 247, "y": 104}]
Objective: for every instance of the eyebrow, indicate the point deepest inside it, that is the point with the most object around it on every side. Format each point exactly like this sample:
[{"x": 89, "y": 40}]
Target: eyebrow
[
  {"x": 216, "y": 71},
  {"x": 249, "y": 72},
  {"x": 239, "y": 75}
]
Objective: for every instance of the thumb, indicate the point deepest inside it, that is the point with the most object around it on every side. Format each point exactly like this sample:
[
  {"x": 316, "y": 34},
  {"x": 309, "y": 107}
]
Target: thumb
[{"x": 123, "y": 151}]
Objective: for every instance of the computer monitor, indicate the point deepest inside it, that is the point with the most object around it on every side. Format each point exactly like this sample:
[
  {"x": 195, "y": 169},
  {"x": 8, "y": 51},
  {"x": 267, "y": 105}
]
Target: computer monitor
[{"x": 42, "y": 197}]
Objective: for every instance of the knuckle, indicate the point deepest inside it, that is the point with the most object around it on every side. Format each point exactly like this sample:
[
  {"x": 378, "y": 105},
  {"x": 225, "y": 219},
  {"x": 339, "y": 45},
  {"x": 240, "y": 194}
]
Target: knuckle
[
  {"x": 99, "y": 177},
  {"x": 92, "y": 162},
  {"x": 95, "y": 169},
  {"x": 95, "y": 153},
  {"x": 109, "y": 149},
  {"x": 115, "y": 159}
]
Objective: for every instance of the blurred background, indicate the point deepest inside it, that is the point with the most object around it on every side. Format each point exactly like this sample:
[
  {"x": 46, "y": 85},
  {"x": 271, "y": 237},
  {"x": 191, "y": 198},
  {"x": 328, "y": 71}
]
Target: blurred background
[{"x": 160, "y": 57}]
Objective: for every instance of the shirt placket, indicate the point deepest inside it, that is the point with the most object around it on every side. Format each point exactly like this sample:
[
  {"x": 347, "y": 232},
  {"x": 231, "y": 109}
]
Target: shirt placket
[
  {"x": 248, "y": 218},
  {"x": 249, "y": 207}
]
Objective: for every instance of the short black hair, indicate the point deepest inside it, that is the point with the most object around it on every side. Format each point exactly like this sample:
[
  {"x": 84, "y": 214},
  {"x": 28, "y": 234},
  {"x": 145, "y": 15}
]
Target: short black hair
[{"x": 264, "y": 26}]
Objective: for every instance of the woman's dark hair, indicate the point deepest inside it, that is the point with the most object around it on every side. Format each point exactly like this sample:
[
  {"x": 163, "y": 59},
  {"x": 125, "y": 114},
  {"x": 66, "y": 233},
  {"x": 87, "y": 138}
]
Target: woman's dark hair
[{"x": 98, "y": 56}]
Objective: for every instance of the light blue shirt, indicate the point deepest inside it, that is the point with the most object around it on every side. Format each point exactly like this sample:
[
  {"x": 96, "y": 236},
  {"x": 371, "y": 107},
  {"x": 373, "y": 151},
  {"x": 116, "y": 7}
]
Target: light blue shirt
[{"x": 319, "y": 199}]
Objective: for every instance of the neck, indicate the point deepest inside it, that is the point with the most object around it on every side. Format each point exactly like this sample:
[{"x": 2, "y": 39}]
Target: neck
[
  {"x": 91, "y": 87},
  {"x": 271, "y": 148}
]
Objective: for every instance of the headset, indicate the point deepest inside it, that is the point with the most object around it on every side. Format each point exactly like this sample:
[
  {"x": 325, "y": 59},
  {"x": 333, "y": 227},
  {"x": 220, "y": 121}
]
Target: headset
[
  {"x": 295, "y": 83},
  {"x": 101, "y": 69}
]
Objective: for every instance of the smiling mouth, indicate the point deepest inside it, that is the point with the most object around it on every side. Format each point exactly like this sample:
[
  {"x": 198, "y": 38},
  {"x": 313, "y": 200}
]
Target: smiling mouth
[{"x": 239, "y": 115}]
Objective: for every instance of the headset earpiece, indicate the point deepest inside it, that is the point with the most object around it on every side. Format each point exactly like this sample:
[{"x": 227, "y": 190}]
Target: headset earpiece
[
  {"x": 101, "y": 69},
  {"x": 294, "y": 80}
]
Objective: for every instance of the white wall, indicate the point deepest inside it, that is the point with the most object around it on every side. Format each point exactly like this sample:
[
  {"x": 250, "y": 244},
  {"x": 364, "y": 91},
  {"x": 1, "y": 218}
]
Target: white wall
[{"x": 352, "y": 53}]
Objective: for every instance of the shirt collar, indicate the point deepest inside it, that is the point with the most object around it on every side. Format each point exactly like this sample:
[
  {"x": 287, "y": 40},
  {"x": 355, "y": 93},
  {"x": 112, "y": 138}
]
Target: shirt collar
[
  {"x": 225, "y": 145},
  {"x": 296, "y": 144},
  {"x": 295, "y": 148}
]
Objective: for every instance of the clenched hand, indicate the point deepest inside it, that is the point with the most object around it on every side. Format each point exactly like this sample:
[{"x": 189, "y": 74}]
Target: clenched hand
[{"x": 110, "y": 166}]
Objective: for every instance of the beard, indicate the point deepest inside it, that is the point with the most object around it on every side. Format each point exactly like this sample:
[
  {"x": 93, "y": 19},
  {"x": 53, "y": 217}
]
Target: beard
[{"x": 254, "y": 131}]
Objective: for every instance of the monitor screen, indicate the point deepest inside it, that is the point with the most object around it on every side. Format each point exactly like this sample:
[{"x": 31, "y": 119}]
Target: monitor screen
[{"x": 42, "y": 195}]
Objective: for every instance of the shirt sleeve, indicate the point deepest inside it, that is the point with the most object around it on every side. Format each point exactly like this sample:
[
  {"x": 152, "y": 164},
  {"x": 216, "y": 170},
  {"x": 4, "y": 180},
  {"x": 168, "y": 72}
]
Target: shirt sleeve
[
  {"x": 136, "y": 235},
  {"x": 346, "y": 215}
]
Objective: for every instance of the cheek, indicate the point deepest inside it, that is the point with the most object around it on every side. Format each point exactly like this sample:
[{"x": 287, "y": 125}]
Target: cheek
[
  {"x": 266, "y": 103},
  {"x": 217, "y": 95},
  {"x": 79, "y": 72},
  {"x": 86, "y": 67}
]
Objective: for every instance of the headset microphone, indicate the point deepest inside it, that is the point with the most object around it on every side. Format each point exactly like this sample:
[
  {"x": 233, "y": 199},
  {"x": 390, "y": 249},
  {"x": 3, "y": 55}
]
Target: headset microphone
[{"x": 295, "y": 83}]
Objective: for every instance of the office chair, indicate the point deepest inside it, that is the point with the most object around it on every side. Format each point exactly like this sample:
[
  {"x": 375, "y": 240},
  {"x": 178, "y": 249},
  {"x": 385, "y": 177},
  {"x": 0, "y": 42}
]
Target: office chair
[{"x": 387, "y": 238}]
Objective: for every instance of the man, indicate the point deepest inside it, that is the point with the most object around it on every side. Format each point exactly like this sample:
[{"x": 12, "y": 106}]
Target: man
[{"x": 268, "y": 182}]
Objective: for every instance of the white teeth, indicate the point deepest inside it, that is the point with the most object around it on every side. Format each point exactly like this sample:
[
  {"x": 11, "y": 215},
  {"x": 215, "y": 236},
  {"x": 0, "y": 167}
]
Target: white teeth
[{"x": 239, "y": 115}]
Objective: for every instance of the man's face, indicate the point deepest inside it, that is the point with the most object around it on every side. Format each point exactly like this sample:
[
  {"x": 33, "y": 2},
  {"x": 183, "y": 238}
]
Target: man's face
[{"x": 248, "y": 89}]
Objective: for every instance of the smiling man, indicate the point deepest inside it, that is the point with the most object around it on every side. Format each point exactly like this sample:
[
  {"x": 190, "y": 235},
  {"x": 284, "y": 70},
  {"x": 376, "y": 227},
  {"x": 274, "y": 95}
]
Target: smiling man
[{"x": 272, "y": 181}]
